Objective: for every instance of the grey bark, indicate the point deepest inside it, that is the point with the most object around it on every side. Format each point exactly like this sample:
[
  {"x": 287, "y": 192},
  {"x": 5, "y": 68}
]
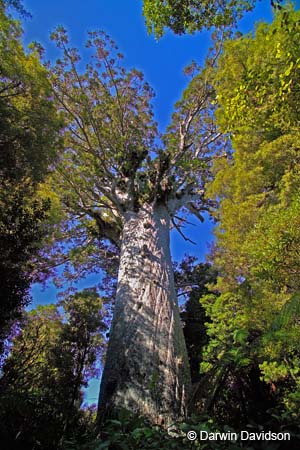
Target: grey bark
[{"x": 146, "y": 369}]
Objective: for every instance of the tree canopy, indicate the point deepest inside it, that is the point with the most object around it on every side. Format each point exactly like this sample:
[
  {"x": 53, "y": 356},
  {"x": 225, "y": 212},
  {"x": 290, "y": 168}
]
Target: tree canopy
[
  {"x": 113, "y": 161},
  {"x": 189, "y": 16}
]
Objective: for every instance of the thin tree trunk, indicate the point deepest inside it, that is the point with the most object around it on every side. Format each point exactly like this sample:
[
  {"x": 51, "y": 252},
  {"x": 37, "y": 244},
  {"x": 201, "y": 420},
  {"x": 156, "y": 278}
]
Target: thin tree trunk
[
  {"x": 146, "y": 369},
  {"x": 75, "y": 393}
]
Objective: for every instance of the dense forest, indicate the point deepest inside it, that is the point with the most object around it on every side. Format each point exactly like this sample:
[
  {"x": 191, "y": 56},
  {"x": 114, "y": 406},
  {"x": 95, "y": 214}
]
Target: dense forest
[{"x": 188, "y": 354}]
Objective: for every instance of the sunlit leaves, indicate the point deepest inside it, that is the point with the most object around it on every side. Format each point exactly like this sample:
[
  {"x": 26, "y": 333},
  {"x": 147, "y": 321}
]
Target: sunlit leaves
[
  {"x": 189, "y": 16},
  {"x": 257, "y": 248},
  {"x": 262, "y": 73}
]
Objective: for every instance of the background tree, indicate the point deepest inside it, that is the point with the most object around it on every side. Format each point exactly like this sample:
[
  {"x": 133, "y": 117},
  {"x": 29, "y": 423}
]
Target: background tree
[
  {"x": 51, "y": 360},
  {"x": 119, "y": 185},
  {"x": 188, "y": 16},
  {"x": 254, "y": 326},
  {"x": 191, "y": 280},
  {"x": 29, "y": 139}
]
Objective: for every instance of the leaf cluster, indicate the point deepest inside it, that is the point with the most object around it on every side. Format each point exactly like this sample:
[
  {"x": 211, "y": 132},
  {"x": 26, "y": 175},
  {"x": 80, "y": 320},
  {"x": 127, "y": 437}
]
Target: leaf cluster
[{"x": 189, "y": 16}]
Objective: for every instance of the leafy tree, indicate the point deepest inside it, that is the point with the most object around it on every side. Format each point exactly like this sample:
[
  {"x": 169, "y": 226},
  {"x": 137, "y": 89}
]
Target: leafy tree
[
  {"x": 51, "y": 359},
  {"x": 29, "y": 140},
  {"x": 117, "y": 183},
  {"x": 255, "y": 320},
  {"x": 83, "y": 344},
  {"x": 191, "y": 281},
  {"x": 188, "y": 16},
  {"x": 20, "y": 232}
]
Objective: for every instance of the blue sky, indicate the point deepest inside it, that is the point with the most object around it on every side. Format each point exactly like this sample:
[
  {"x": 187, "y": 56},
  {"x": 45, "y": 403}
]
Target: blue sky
[{"x": 162, "y": 63}]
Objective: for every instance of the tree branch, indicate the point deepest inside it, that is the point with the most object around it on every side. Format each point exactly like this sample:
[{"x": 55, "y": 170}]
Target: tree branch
[{"x": 181, "y": 233}]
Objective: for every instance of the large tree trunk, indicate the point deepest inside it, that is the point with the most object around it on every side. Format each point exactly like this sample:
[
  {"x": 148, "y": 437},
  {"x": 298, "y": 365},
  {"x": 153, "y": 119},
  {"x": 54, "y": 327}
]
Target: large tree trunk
[{"x": 146, "y": 369}]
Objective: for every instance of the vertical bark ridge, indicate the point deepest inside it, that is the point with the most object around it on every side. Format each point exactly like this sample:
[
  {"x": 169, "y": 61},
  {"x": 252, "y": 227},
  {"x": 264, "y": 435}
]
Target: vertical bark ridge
[{"x": 146, "y": 368}]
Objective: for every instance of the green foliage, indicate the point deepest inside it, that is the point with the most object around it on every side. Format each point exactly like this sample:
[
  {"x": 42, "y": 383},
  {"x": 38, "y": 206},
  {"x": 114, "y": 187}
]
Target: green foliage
[
  {"x": 189, "y": 16},
  {"x": 52, "y": 358},
  {"x": 255, "y": 319},
  {"x": 260, "y": 89},
  {"x": 29, "y": 141},
  {"x": 21, "y": 217},
  {"x": 128, "y": 432}
]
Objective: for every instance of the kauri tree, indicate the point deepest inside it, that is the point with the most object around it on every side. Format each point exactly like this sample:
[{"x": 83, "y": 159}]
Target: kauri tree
[{"x": 118, "y": 183}]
